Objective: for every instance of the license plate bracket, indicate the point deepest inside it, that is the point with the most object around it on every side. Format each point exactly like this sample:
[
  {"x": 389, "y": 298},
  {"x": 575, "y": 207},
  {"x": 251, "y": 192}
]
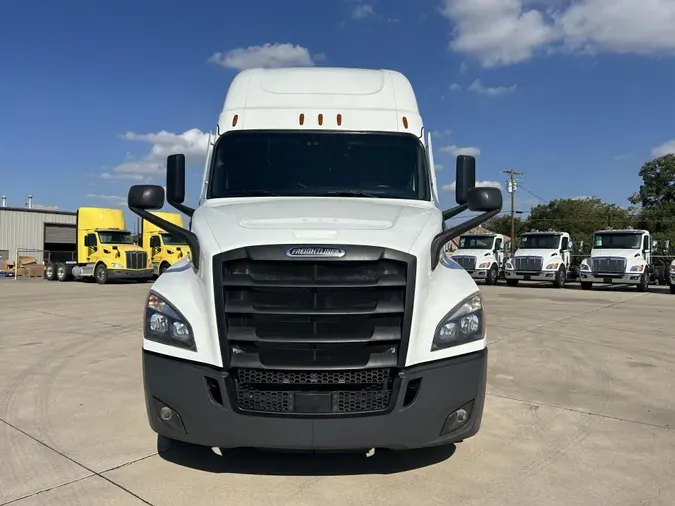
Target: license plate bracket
[
  {"x": 528, "y": 277},
  {"x": 313, "y": 402},
  {"x": 607, "y": 280}
]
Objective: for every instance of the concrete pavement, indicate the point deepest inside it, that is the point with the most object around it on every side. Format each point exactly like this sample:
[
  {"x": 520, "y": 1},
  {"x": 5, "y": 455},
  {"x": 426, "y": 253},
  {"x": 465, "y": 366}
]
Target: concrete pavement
[{"x": 580, "y": 410}]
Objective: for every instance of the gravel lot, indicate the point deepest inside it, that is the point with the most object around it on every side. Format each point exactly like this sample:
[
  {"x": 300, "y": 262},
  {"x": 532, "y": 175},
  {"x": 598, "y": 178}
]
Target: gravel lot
[{"x": 580, "y": 410}]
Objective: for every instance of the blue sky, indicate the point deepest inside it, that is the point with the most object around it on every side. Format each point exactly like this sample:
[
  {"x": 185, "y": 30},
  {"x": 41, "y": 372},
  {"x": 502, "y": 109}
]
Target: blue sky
[{"x": 576, "y": 95}]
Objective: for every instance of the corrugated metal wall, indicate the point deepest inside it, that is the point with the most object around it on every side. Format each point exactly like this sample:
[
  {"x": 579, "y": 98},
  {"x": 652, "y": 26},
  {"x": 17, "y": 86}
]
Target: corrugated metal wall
[{"x": 25, "y": 230}]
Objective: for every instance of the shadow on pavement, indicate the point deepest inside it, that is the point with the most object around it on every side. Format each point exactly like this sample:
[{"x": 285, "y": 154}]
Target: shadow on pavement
[{"x": 260, "y": 462}]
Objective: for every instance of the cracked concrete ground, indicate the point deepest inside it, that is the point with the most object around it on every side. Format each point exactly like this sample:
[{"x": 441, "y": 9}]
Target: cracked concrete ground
[{"x": 580, "y": 410}]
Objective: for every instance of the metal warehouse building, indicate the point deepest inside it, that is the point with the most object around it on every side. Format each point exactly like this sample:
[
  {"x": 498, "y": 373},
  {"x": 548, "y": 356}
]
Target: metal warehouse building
[{"x": 36, "y": 232}]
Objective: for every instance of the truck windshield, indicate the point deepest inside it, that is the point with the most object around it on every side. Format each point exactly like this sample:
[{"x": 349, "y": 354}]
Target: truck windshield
[
  {"x": 113, "y": 237},
  {"x": 540, "y": 241},
  {"x": 617, "y": 240},
  {"x": 262, "y": 163},
  {"x": 475, "y": 242},
  {"x": 170, "y": 240}
]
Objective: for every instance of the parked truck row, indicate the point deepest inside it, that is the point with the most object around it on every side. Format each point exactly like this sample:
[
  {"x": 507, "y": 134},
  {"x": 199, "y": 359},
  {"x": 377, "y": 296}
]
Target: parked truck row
[
  {"x": 617, "y": 257},
  {"x": 105, "y": 250}
]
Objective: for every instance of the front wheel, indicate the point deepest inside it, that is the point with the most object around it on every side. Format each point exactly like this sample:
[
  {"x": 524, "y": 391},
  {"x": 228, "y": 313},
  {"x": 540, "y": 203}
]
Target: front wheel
[
  {"x": 493, "y": 276},
  {"x": 101, "y": 274},
  {"x": 643, "y": 285},
  {"x": 560, "y": 278}
]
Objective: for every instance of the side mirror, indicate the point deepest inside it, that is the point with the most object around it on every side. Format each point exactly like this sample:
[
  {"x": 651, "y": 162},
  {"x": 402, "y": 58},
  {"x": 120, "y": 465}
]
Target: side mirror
[
  {"x": 154, "y": 242},
  {"x": 175, "y": 183},
  {"x": 87, "y": 242},
  {"x": 484, "y": 199},
  {"x": 465, "y": 179},
  {"x": 145, "y": 196}
]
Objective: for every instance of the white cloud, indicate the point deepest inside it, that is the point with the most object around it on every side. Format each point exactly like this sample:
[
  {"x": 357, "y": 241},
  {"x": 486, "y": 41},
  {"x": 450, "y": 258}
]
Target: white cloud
[
  {"x": 455, "y": 87},
  {"x": 441, "y": 133},
  {"x": 268, "y": 56},
  {"x": 493, "y": 184},
  {"x": 463, "y": 68},
  {"x": 117, "y": 200},
  {"x": 622, "y": 156},
  {"x": 456, "y": 150},
  {"x": 504, "y": 32},
  {"x": 438, "y": 167},
  {"x": 192, "y": 143},
  {"x": 664, "y": 149},
  {"x": 363, "y": 11},
  {"x": 491, "y": 91}
]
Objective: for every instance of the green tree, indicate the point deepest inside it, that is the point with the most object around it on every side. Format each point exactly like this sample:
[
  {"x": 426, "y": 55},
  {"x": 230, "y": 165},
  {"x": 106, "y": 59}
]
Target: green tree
[
  {"x": 658, "y": 183},
  {"x": 502, "y": 225}
]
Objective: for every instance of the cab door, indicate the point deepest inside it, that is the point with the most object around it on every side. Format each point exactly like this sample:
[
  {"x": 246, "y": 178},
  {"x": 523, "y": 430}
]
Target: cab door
[
  {"x": 92, "y": 248},
  {"x": 565, "y": 251},
  {"x": 647, "y": 248},
  {"x": 499, "y": 252},
  {"x": 155, "y": 249}
]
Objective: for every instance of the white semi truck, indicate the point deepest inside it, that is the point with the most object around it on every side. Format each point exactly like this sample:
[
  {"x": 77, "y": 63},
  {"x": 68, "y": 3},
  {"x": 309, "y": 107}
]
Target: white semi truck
[
  {"x": 541, "y": 256},
  {"x": 618, "y": 257},
  {"x": 319, "y": 310},
  {"x": 482, "y": 256}
]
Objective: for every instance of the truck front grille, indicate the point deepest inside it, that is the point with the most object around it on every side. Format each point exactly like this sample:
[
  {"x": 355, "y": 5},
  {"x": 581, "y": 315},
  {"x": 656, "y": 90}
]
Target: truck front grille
[
  {"x": 313, "y": 335},
  {"x": 137, "y": 260},
  {"x": 313, "y": 392},
  {"x": 608, "y": 265},
  {"x": 528, "y": 264},
  {"x": 468, "y": 263}
]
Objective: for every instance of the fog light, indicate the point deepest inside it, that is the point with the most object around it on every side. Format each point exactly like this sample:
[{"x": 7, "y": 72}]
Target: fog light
[
  {"x": 169, "y": 417},
  {"x": 457, "y": 419},
  {"x": 165, "y": 413}
]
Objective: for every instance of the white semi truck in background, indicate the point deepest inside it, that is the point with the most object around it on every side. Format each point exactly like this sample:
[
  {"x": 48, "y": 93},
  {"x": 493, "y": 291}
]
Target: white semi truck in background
[
  {"x": 482, "y": 256},
  {"x": 320, "y": 310},
  {"x": 541, "y": 256},
  {"x": 618, "y": 257}
]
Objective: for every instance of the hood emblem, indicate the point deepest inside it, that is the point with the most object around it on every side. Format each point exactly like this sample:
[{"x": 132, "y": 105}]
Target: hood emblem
[{"x": 314, "y": 252}]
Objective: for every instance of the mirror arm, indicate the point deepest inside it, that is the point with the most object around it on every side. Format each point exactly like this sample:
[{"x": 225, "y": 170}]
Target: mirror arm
[
  {"x": 189, "y": 238},
  {"x": 449, "y": 213},
  {"x": 448, "y": 235},
  {"x": 188, "y": 211}
]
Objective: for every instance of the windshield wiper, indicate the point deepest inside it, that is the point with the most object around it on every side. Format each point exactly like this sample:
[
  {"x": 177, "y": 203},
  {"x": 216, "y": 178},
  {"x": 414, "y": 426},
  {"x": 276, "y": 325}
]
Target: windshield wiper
[{"x": 346, "y": 193}]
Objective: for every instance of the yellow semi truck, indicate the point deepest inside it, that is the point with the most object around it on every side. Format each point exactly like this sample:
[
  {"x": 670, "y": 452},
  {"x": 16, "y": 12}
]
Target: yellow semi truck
[
  {"x": 162, "y": 248},
  {"x": 105, "y": 250}
]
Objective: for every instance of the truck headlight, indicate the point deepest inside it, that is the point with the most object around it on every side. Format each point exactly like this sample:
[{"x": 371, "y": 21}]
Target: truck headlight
[
  {"x": 552, "y": 266},
  {"x": 116, "y": 266},
  {"x": 585, "y": 267},
  {"x": 509, "y": 265},
  {"x": 485, "y": 265},
  {"x": 465, "y": 323},
  {"x": 164, "y": 324},
  {"x": 637, "y": 268},
  {"x": 672, "y": 269}
]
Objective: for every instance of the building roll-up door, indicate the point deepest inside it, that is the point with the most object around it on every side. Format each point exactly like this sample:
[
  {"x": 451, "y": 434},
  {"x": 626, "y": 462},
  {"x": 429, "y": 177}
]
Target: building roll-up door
[{"x": 60, "y": 234}]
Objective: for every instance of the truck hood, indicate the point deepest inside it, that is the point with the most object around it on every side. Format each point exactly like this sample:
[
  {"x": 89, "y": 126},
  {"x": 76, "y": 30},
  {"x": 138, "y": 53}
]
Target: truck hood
[
  {"x": 478, "y": 253},
  {"x": 617, "y": 253},
  {"x": 534, "y": 252},
  {"x": 123, "y": 248},
  {"x": 387, "y": 223}
]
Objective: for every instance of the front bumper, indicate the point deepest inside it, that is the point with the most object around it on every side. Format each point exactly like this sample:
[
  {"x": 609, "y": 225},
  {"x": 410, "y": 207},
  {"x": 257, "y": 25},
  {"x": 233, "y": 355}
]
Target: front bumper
[
  {"x": 632, "y": 278},
  {"x": 187, "y": 388},
  {"x": 130, "y": 273},
  {"x": 535, "y": 276}
]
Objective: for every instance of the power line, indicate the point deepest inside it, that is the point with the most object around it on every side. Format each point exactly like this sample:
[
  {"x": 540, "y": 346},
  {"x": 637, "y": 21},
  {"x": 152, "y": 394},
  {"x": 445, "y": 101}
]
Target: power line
[{"x": 535, "y": 195}]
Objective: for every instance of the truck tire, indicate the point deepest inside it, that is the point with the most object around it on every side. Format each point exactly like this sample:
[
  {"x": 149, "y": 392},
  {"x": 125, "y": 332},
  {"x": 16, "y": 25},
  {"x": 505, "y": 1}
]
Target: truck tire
[
  {"x": 101, "y": 274},
  {"x": 61, "y": 272},
  {"x": 585, "y": 285},
  {"x": 50, "y": 272},
  {"x": 643, "y": 285},
  {"x": 493, "y": 276},
  {"x": 560, "y": 278},
  {"x": 512, "y": 282}
]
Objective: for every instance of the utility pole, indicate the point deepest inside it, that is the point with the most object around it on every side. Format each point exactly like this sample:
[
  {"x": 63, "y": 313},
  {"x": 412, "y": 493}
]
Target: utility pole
[{"x": 511, "y": 186}]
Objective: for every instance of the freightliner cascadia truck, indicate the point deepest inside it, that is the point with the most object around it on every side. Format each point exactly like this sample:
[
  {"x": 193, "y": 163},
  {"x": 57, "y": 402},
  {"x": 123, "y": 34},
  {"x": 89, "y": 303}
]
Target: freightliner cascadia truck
[
  {"x": 105, "y": 250},
  {"x": 162, "y": 248},
  {"x": 319, "y": 311}
]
